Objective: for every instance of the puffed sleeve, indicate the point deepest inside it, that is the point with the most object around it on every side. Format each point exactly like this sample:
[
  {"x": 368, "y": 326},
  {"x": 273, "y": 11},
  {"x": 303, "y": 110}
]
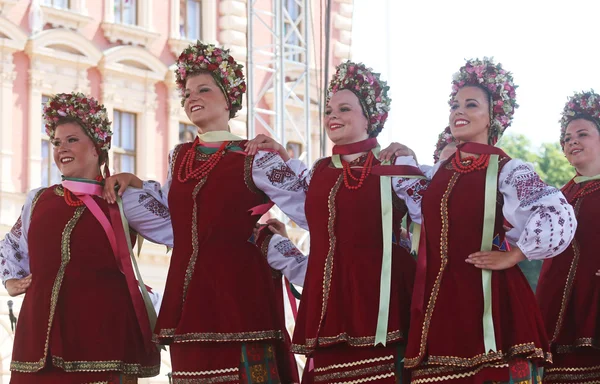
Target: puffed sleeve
[
  {"x": 410, "y": 189},
  {"x": 281, "y": 184},
  {"x": 283, "y": 256},
  {"x": 148, "y": 216},
  {"x": 543, "y": 222},
  {"x": 14, "y": 252}
]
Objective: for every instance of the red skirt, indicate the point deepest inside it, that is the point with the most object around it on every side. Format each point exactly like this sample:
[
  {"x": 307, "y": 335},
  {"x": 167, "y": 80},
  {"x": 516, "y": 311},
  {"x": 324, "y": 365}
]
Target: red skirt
[
  {"x": 253, "y": 363},
  {"x": 581, "y": 366},
  {"x": 342, "y": 363},
  {"x": 53, "y": 375}
]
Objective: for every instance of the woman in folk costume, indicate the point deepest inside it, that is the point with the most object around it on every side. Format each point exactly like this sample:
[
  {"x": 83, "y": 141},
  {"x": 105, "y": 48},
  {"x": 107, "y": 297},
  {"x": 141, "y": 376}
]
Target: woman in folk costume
[
  {"x": 219, "y": 312},
  {"x": 357, "y": 289},
  {"x": 568, "y": 292},
  {"x": 474, "y": 318},
  {"x": 85, "y": 318}
]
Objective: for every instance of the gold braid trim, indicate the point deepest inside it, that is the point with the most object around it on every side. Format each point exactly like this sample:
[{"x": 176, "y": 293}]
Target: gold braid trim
[
  {"x": 192, "y": 263},
  {"x": 35, "y": 200},
  {"x": 227, "y": 337},
  {"x": 569, "y": 283},
  {"x": 104, "y": 366},
  {"x": 65, "y": 256},
  {"x": 413, "y": 362},
  {"x": 328, "y": 270},
  {"x": 578, "y": 343},
  {"x": 208, "y": 380},
  {"x": 353, "y": 341},
  {"x": 373, "y": 370}
]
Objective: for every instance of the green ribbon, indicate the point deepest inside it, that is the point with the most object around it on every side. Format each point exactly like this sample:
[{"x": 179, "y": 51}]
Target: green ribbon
[
  {"x": 145, "y": 295},
  {"x": 386, "y": 264},
  {"x": 80, "y": 180},
  {"x": 489, "y": 219},
  {"x": 211, "y": 150},
  {"x": 583, "y": 179}
]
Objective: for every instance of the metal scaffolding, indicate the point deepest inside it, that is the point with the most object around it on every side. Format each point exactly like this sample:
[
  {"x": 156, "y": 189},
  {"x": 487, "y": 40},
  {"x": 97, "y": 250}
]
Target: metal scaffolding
[{"x": 278, "y": 72}]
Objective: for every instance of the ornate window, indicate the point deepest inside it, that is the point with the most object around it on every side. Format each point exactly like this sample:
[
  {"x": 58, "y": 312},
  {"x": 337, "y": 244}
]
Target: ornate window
[
  {"x": 129, "y": 77},
  {"x": 129, "y": 22},
  {"x": 125, "y": 12},
  {"x": 123, "y": 142},
  {"x": 64, "y": 4},
  {"x": 59, "y": 59},
  {"x": 190, "y": 19},
  {"x": 193, "y": 20}
]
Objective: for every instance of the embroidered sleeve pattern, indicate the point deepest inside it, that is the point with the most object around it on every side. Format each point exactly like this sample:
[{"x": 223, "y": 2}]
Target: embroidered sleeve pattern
[
  {"x": 14, "y": 252},
  {"x": 281, "y": 184},
  {"x": 283, "y": 256},
  {"x": 148, "y": 215},
  {"x": 543, "y": 223},
  {"x": 14, "y": 263},
  {"x": 410, "y": 190}
]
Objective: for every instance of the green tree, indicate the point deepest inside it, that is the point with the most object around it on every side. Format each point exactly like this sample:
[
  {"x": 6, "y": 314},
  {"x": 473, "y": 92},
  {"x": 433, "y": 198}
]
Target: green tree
[
  {"x": 548, "y": 160},
  {"x": 518, "y": 147},
  {"x": 552, "y": 165}
]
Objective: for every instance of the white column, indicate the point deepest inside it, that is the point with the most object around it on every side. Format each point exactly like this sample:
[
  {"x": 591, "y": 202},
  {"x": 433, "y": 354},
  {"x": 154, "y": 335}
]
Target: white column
[
  {"x": 146, "y": 132},
  {"x": 175, "y": 14},
  {"x": 7, "y": 77},
  {"x": 174, "y": 118},
  {"x": 36, "y": 83}
]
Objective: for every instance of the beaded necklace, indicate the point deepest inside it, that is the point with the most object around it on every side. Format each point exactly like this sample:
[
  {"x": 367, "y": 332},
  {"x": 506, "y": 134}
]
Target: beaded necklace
[
  {"x": 73, "y": 200},
  {"x": 366, "y": 171},
  {"x": 187, "y": 171},
  {"x": 470, "y": 163}
]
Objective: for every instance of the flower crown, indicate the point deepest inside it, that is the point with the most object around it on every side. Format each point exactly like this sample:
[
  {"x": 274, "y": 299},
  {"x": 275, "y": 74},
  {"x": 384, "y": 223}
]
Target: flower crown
[
  {"x": 222, "y": 66},
  {"x": 586, "y": 104},
  {"x": 500, "y": 85},
  {"x": 444, "y": 139},
  {"x": 86, "y": 109},
  {"x": 372, "y": 92}
]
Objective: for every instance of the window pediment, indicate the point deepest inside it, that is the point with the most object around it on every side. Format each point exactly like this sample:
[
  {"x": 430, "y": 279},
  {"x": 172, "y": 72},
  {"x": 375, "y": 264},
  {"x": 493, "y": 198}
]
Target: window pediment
[{"x": 64, "y": 18}]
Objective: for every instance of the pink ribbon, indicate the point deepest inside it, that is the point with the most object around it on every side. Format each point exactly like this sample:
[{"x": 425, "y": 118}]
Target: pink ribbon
[{"x": 118, "y": 243}]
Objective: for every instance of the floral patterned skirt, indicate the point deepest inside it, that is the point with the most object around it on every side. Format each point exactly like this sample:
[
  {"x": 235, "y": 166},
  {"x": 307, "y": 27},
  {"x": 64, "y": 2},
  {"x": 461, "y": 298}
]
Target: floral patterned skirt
[{"x": 251, "y": 363}]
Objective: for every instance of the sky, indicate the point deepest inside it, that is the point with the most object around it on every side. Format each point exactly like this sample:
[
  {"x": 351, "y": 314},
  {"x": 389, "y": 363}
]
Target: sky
[{"x": 551, "y": 47}]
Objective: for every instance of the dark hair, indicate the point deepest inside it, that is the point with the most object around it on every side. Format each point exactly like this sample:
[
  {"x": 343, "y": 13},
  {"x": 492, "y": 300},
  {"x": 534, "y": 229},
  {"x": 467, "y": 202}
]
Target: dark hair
[
  {"x": 102, "y": 155},
  {"x": 232, "y": 113},
  {"x": 586, "y": 117}
]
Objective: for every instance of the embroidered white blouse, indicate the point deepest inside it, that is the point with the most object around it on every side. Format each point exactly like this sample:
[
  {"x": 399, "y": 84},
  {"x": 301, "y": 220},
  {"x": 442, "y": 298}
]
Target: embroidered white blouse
[
  {"x": 146, "y": 215},
  {"x": 542, "y": 222}
]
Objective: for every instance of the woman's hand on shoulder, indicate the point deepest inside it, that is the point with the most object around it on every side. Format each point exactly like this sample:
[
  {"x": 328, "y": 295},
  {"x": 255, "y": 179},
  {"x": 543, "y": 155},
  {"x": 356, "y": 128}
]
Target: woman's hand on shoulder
[
  {"x": 263, "y": 142},
  {"x": 122, "y": 181},
  {"x": 17, "y": 287},
  {"x": 396, "y": 149}
]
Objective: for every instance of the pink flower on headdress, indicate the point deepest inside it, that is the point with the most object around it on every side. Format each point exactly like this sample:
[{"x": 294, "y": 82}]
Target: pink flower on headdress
[{"x": 61, "y": 113}]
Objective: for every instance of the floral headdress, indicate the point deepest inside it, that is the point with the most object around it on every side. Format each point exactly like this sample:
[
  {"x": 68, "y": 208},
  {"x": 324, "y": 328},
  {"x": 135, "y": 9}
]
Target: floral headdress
[
  {"x": 372, "y": 92},
  {"x": 581, "y": 104},
  {"x": 500, "y": 85},
  {"x": 87, "y": 110},
  {"x": 225, "y": 70},
  {"x": 444, "y": 139}
]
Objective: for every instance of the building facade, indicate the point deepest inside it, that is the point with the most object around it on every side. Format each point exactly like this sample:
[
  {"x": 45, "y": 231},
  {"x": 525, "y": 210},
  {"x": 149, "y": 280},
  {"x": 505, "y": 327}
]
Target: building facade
[{"x": 122, "y": 52}]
